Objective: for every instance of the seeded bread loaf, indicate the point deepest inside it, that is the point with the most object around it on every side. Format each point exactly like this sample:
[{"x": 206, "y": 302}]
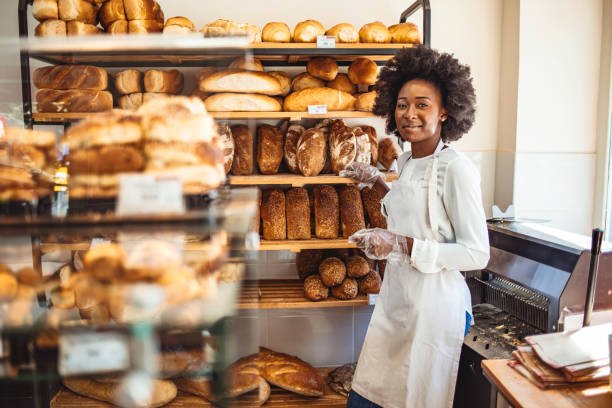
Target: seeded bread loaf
[
  {"x": 273, "y": 215},
  {"x": 326, "y": 212},
  {"x": 371, "y": 198},
  {"x": 298, "y": 213},
  {"x": 351, "y": 210}
]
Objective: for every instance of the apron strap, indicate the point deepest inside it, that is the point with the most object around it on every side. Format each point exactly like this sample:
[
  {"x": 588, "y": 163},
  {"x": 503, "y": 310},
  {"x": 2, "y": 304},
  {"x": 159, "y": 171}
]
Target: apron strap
[{"x": 432, "y": 187}]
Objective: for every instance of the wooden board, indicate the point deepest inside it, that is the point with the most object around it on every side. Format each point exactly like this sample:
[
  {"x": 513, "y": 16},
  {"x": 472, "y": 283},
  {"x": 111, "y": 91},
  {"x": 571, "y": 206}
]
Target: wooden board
[
  {"x": 286, "y": 293},
  {"x": 523, "y": 394},
  {"x": 296, "y": 180},
  {"x": 298, "y": 245},
  {"x": 278, "y": 399}
]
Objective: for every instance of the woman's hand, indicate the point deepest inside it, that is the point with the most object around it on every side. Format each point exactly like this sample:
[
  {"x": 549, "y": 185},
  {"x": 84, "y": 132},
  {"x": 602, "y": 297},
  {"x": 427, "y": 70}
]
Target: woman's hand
[
  {"x": 364, "y": 173},
  {"x": 378, "y": 243}
]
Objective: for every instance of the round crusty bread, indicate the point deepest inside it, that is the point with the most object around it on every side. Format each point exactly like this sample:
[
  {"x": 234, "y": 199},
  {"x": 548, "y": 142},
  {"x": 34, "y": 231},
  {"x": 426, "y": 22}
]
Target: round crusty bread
[
  {"x": 375, "y": 32},
  {"x": 314, "y": 289},
  {"x": 388, "y": 152},
  {"x": 344, "y": 33},
  {"x": 276, "y": 32},
  {"x": 342, "y": 83},
  {"x": 363, "y": 71},
  {"x": 370, "y": 283},
  {"x": 357, "y": 267},
  {"x": 236, "y": 102},
  {"x": 332, "y": 271},
  {"x": 404, "y": 33},
  {"x": 333, "y": 98},
  {"x": 307, "y": 31},
  {"x": 324, "y": 68},
  {"x": 348, "y": 289},
  {"x": 305, "y": 80}
]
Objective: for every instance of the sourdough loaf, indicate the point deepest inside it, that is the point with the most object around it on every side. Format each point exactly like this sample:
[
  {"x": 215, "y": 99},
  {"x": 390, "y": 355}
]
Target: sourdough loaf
[
  {"x": 307, "y": 31},
  {"x": 290, "y": 373},
  {"x": 342, "y": 145},
  {"x": 373, "y": 138},
  {"x": 246, "y": 64},
  {"x": 310, "y": 152},
  {"x": 227, "y": 139},
  {"x": 292, "y": 137},
  {"x": 283, "y": 79}
]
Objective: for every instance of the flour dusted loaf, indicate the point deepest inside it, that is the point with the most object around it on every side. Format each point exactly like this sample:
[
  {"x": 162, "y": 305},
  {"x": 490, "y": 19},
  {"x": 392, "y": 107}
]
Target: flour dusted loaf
[
  {"x": 351, "y": 210},
  {"x": 298, "y": 213},
  {"x": 333, "y": 98},
  {"x": 373, "y": 138},
  {"x": 342, "y": 145},
  {"x": 243, "y": 163},
  {"x": 310, "y": 152},
  {"x": 292, "y": 137},
  {"x": 388, "y": 152},
  {"x": 314, "y": 289},
  {"x": 269, "y": 149},
  {"x": 63, "y": 77},
  {"x": 290, "y": 373},
  {"x": 273, "y": 215},
  {"x": 326, "y": 212},
  {"x": 371, "y": 202},
  {"x": 363, "y": 146},
  {"x": 73, "y": 100},
  {"x": 238, "y": 102}
]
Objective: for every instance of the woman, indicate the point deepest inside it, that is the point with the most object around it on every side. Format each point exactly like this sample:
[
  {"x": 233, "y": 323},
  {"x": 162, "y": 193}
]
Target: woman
[{"x": 435, "y": 228}]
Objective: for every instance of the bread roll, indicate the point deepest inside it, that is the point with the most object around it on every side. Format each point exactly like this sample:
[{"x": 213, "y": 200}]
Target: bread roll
[
  {"x": 351, "y": 210},
  {"x": 305, "y": 80},
  {"x": 241, "y": 81},
  {"x": 163, "y": 391},
  {"x": 79, "y": 10},
  {"x": 156, "y": 80},
  {"x": 375, "y": 32},
  {"x": 51, "y": 28},
  {"x": 363, "y": 71},
  {"x": 342, "y": 83},
  {"x": 310, "y": 152},
  {"x": 76, "y": 28},
  {"x": 178, "y": 25},
  {"x": 269, "y": 149},
  {"x": 143, "y": 10},
  {"x": 276, "y": 32},
  {"x": 314, "y": 289},
  {"x": 308, "y": 31},
  {"x": 63, "y": 299},
  {"x": 70, "y": 77},
  {"x": 334, "y": 99},
  {"x": 365, "y": 101},
  {"x": 324, "y": 68},
  {"x": 128, "y": 81},
  {"x": 243, "y": 153},
  {"x": 357, "y": 267},
  {"x": 347, "y": 290},
  {"x": 342, "y": 145},
  {"x": 388, "y": 152},
  {"x": 111, "y": 12},
  {"x": 371, "y": 202},
  {"x": 404, "y": 33},
  {"x": 307, "y": 262},
  {"x": 79, "y": 100},
  {"x": 247, "y": 64},
  {"x": 344, "y": 33},
  {"x": 373, "y": 137},
  {"x": 298, "y": 213},
  {"x": 45, "y": 10},
  {"x": 145, "y": 26},
  {"x": 326, "y": 212},
  {"x": 227, "y": 139},
  {"x": 292, "y": 137},
  {"x": 236, "y": 102},
  {"x": 332, "y": 271},
  {"x": 283, "y": 79},
  {"x": 118, "y": 27},
  {"x": 273, "y": 215},
  {"x": 370, "y": 283}
]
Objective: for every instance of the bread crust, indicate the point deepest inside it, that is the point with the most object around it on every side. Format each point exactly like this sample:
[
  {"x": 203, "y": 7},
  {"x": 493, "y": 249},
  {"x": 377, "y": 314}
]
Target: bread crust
[
  {"x": 65, "y": 77},
  {"x": 298, "y": 213},
  {"x": 270, "y": 143},
  {"x": 326, "y": 212},
  {"x": 273, "y": 215},
  {"x": 333, "y": 98},
  {"x": 351, "y": 210},
  {"x": 242, "y": 164}
]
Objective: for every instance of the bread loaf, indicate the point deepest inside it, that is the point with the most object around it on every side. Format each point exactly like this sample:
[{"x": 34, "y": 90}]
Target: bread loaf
[
  {"x": 332, "y": 271},
  {"x": 305, "y": 80},
  {"x": 205, "y": 73},
  {"x": 371, "y": 202},
  {"x": 388, "y": 152},
  {"x": 307, "y": 31},
  {"x": 326, "y": 212},
  {"x": 307, "y": 262},
  {"x": 241, "y": 81},
  {"x": 375, "y": 32},
  {"x": 117, "y": 27},
  {"x": 145, "y": 26},
  {"x": 79, "y": 100},
  {"x": 273, "y": 215},
  {"x": 238, "y": 102},
  {"x": 342, "y": 83},
  {"x": 382, "y": 265},
  {"x": 283, "y": 79},
  {"x": 128, "y": 81},
  {"x": 310, "y": 152},
  {"x": 290, "y": 373},
  {"x": 298, "y": 213},
  {"x": 156, "y": 80},
  {"x": 223, "y": 28},
  {"x": 51, "y": 28},
  {"x": 324, "y": 68},
  {"x": 76, "y": 28},
  {"x": 404, "y": 33},
  {"x": 344, "y": 33},
  {"x": 71, "y": 77},
  {"x": 347, "y": 290},
  {"x": 334, "y": 99},
  {"x": 136, "y": 100},
  {"x": 269, "y": 149},
  {"x": 363, "y": 146},
  {"x": 79, "y": 10},
  {"x": 365, "y": 101},
  {"x": 351, "y": 210},
  {"x": 357, "y": 267},
  {"x": 143, "y": 10},
  {"x": 373, "y": 137},
  {"x": 111, "y": 12},
  {"x": 227, "y": 139},
  {"x": 45, "y": 10},
  {"x": 178, "y": 25},
  {"x": 163, "y": 391},
  {"x": 314, "y": 289},
  {"x": 246, "y": 64},
  {"x": 292, "y": 137},
  {"x": 370, "y": 283},
  {"x": 256, "y": 221},
  {"x": 363, "y": 71},
  {"x": 243, "y": 151},
  {"x": 276, "y": 32},
  {"x": 323, "y": 126},
  {"x": 342, "y": 145}
]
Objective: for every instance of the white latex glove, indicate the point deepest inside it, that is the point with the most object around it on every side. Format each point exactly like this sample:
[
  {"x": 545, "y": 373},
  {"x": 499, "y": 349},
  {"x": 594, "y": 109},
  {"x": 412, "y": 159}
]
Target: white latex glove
[
  {"x": 364, "y": 173},
  {"x": 378, "y": 243}
]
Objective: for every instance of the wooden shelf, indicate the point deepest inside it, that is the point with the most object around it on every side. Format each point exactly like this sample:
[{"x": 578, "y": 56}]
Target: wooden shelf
[
  {"x": 278, "y": 399},
  {"x": 295, "y": 180},
  {"x": 298, "y": 245},
  {"x": 286, "y": 294}
]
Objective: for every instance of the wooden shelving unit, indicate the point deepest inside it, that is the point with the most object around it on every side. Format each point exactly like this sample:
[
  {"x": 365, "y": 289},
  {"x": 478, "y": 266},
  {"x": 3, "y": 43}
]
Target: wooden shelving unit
[
  {"x": 279, "y": 398},
  {"x": 298, "y": 245},
  {"x": 284, "y": 294},
  {"x": 296, "y": 180}
]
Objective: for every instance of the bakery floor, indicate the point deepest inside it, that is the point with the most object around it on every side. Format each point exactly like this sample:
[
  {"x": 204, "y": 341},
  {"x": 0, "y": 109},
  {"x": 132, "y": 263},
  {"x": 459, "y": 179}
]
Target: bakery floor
[{"x": 278, "y": 398}]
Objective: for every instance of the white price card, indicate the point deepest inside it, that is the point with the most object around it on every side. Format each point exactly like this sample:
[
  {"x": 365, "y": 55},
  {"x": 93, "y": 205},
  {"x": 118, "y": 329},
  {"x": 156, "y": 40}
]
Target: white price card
[
  {"x": 99, "y": 241},
  {"x": 317, "y": 109},
  {"x": 326, "y": 41},
  {"x": 372, "y": 299},
  {"x": 149, "y": 194},
  {"x": 90, "y": 353}
]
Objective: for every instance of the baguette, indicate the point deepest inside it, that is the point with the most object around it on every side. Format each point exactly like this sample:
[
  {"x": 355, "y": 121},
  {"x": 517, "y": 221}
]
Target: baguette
[
  {"x": 227, "y": 102},
  {"x": 334, "y": 99},
  {"x": 64, "y": 77},
  {"x": 51, "y": 28},
  {"x": 75, "y": 27},
  {"x": 241, "y": 81},
  {"x": 79, "y": 10},
  {"x": 128, "y": 81},
  {"x": 77, "y": 100},
  {"x": 45, "y": 10},
  {"x": 163, "y": 392},
  {"x": 156, "y": 80}
]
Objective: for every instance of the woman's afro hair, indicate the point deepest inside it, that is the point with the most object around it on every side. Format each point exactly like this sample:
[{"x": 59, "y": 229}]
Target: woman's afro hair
[{"x": 452, "y": 79}]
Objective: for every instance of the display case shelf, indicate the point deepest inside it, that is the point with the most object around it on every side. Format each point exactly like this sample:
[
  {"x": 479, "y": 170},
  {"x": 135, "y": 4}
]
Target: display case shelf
[
  {"x": 298, "y": 245},
  {"x": 296, "y": 180},
  {"x": 286, "y": 294}
]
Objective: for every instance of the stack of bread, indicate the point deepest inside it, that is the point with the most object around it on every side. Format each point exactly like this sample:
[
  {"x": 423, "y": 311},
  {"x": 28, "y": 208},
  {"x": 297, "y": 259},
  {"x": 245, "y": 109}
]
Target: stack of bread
[
  {"x": 72, "y": 88},
  {"x": 27, "y": 158},
  {"x": 345, "y": 273},
  {"x": 17, "y": 295},
  {"x": 167, "y": 136},
  {"x": 132, "y": 16},
  {"x": 137, "y": 88},
  {"x": 66, "y": 17}
]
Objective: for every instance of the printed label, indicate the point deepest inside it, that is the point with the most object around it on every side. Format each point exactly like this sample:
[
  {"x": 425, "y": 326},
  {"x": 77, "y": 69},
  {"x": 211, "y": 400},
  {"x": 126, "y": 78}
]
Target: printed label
[
  {"x": 317, "y": 109},
  {"x": 326, "y": 41},
  {"x": 147, "y": 194}
]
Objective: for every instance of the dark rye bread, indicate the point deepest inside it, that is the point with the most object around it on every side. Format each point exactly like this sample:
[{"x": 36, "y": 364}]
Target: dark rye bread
[
  {"x": 371, "y": 203},
  {"x": 326, "y": 209},
  {"x": 307, "y": 262},
  {"x": 298, "y": 213},
  {"x": 273, "y": 215},
  {"x": 243, "y": 151}
]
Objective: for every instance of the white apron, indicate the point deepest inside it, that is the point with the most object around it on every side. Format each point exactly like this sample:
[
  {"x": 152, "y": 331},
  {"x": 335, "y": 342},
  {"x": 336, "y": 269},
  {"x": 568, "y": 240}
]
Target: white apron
[{"x": 410, "y": 356}]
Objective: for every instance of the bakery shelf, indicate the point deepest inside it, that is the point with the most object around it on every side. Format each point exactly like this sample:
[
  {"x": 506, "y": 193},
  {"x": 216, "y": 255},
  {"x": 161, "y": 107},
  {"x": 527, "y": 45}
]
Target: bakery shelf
[
  {"x": 296, "y": 180},
  {"x": 286, "y": 294},
  {"x": 298, "y": 245},
  {"x": 278, "y": 399}
]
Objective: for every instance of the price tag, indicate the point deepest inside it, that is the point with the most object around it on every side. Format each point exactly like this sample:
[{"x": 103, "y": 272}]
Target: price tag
[
  {"x": 98, "y": 241},
  {"x": 317, "y": 109},
  {"x": 89, "y": 353},
  {"x": 148, "y": 194},
  {"x": 326, "y": 41},
  {"x": 372, "y": 299}
]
